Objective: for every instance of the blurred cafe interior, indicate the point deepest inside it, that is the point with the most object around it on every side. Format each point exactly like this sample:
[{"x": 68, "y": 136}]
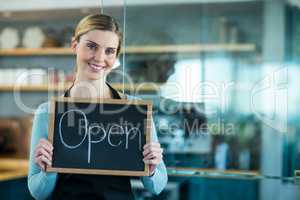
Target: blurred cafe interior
[{"x": 222, "y": 76}]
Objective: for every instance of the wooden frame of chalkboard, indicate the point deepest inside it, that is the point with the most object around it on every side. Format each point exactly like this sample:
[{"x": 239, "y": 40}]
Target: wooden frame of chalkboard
[{"x": 52, "y": 131}]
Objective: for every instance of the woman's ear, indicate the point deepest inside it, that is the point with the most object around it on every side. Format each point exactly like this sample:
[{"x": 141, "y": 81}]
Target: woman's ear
[{"x": 74, "y": 44}]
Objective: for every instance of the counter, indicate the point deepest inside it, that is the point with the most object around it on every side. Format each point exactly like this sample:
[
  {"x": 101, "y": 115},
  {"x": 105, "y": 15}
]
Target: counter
[{"x": 13, "y": 168}]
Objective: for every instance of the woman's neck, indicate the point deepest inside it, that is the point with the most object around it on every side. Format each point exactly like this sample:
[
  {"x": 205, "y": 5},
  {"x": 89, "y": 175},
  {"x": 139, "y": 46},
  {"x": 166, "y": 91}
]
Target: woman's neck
[{"x": 90, "y": 89}]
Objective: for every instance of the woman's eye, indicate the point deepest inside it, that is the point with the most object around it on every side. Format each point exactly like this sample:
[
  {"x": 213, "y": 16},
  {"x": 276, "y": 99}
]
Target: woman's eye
[
  {"x": 92, "y": 46},
  {"x": 110, "y": 51}
]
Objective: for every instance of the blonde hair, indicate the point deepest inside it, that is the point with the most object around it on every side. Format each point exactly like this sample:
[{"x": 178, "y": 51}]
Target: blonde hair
[{"x": 98, "y": 22}]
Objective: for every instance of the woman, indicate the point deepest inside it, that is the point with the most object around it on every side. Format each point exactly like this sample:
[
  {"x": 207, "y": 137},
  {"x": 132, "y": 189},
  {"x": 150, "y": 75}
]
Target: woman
[{"x": 97, "y": 44}]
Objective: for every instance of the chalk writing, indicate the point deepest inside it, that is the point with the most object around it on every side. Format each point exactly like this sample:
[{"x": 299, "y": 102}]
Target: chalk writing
[{"x": 94, "y": 129}]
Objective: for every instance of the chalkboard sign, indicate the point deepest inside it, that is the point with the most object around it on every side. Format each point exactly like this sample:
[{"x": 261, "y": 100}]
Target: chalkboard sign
[{"x": 99, "y": 136}]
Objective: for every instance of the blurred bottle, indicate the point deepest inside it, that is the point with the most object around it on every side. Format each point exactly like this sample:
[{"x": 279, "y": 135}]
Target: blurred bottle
[
  {"x": 234, "y": 34},
  {"x": 223, "y": 29},
  {"x": 244, "y": 159},
  {"x": 221, "y": 156}
]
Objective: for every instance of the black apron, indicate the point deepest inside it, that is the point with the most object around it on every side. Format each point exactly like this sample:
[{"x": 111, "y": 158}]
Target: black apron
[{"x": 92, "y": 187}]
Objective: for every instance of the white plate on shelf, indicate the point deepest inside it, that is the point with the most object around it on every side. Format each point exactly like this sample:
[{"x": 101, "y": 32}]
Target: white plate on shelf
[
  {"x": 9, "y": 38},
  {"x": 33, "y": 37}
]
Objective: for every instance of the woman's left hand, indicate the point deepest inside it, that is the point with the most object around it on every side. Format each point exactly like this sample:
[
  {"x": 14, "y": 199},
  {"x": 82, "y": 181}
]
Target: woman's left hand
[{"x": 152, "y": 155}]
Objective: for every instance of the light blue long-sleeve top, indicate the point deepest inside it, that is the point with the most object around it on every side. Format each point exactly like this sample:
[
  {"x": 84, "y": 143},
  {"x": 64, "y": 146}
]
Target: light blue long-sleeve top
[{"x": 41, "y": 184}]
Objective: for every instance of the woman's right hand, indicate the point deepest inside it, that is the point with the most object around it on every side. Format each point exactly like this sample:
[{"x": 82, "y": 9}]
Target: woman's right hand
[{"x": 43, "y": 154}]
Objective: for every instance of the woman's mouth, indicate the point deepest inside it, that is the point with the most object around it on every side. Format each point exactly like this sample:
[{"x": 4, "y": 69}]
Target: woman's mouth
[{"x": 96, "y": 67}]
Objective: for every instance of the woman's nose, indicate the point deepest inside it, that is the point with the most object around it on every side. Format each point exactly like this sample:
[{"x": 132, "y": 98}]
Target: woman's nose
[{"x": 99, "y": 56}]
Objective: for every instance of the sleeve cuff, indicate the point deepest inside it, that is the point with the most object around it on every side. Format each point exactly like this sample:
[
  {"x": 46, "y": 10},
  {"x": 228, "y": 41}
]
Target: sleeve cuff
[{"x": 152, "y": 174}]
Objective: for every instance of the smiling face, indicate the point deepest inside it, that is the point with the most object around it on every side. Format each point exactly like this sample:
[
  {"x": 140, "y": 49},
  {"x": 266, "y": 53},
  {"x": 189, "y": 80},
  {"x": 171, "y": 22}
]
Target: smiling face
[{"x": 96, "y": 53}]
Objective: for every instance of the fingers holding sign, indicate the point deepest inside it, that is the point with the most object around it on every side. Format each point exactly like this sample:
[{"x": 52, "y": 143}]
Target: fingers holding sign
[
  {"x": 153, "y": 155},
  {"x": 43, "y": 154}
]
